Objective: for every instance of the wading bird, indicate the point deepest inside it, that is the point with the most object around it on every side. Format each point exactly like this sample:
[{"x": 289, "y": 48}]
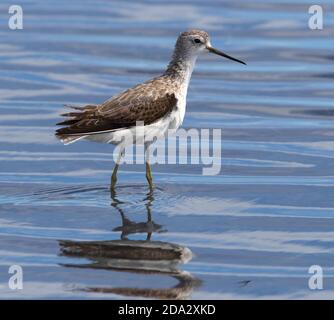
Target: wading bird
[{"x": 159, "y": 104}]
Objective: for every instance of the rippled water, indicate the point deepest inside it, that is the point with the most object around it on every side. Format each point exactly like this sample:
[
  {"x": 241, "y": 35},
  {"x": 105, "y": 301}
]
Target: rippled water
[{"x": 251, "y": 232}]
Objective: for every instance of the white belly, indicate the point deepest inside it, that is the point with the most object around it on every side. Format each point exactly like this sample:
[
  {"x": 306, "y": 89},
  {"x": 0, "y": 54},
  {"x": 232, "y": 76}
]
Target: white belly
[{"x": 141, "y": 134}]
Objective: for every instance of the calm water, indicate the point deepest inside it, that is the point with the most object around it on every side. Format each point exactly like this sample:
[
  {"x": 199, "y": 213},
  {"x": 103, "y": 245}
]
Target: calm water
[{"x": 251, "y": 232}]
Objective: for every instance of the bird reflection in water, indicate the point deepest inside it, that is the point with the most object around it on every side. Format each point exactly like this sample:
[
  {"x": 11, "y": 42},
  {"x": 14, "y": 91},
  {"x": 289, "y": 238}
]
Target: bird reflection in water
[
  {"x": 145, "y": 257},
  {"x": 129, "y": 227}
]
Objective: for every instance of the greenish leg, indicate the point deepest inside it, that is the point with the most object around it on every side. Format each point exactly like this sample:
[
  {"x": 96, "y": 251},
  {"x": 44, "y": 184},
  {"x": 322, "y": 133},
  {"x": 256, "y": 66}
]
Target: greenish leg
[
  {"x": 148, "y": 167},
  {"x": 114, "y": 176},
  {"x": 114, "y": 173},
  {"x": 149, "y": 175}
]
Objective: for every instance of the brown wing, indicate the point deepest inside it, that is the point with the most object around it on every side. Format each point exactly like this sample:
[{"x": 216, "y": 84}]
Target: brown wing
[{"x": 142, "y": 103}]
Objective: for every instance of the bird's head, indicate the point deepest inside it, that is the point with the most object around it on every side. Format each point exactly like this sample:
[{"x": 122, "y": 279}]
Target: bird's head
[{"x": 195, "y": 42}]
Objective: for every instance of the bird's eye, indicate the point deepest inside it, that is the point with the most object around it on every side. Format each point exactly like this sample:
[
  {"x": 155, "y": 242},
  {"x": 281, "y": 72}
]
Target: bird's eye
[{"x": 197, "y": 40}]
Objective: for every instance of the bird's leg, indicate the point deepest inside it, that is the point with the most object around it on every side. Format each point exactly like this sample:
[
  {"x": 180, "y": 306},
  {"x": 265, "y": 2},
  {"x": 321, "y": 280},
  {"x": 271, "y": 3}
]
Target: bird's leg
[
  {"x": 148, "y": 167},
  {"x": 149, "y": 175},
  {"x": 114, "y": 176},
  {"x": 114, "y": 173}
]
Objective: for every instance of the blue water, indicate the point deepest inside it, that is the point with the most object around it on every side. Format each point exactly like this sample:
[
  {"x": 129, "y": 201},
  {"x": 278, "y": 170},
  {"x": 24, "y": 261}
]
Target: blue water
[{"x": 252, "y": 231}]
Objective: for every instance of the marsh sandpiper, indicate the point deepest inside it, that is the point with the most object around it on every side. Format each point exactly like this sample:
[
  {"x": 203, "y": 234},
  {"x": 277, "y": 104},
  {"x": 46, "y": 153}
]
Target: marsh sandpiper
[{"x": 159, "y": 104}]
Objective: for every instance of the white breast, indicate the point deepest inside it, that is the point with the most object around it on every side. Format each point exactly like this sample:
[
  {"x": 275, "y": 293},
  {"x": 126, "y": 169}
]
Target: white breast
[{"x": 177, "y": 116}]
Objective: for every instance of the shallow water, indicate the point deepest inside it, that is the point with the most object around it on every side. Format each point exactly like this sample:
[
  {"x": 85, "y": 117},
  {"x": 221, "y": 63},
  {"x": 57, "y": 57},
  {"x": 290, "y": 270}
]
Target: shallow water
[{"x": 253, "y": 231}]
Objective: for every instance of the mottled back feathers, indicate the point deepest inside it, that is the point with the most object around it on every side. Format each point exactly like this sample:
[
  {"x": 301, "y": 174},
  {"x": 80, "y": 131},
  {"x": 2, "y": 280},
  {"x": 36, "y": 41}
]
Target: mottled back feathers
[{"x": 147, "y": 102}]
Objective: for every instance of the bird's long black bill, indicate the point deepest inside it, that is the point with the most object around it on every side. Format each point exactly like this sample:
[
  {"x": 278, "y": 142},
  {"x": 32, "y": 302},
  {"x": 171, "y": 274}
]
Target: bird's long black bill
[{"x": 220, "y": 53}]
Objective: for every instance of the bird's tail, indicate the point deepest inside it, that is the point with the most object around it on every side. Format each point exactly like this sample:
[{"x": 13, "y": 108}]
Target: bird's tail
[{"x": 72, "y": 118}]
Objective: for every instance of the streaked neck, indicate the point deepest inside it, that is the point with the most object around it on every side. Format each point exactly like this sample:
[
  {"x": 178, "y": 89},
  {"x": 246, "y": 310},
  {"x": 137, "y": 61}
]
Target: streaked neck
[{"x": 181, "y": 66}]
